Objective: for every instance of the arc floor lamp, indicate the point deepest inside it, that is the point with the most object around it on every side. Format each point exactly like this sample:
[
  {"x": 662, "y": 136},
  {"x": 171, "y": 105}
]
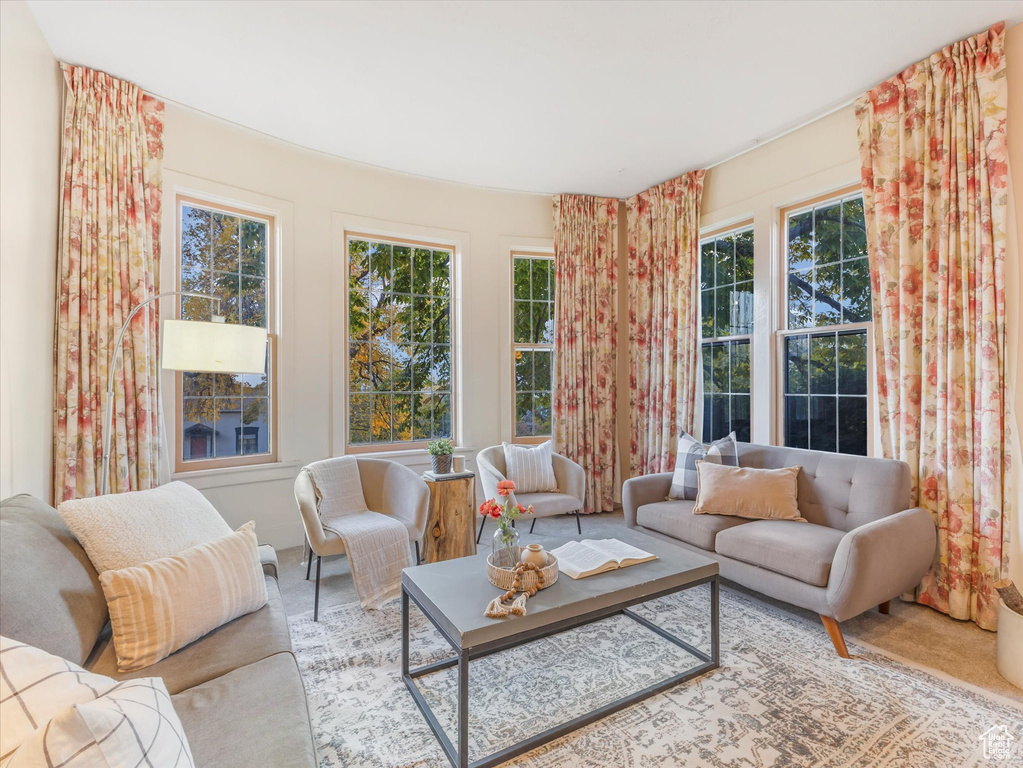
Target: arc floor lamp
[{"x": 188, "y": 345}]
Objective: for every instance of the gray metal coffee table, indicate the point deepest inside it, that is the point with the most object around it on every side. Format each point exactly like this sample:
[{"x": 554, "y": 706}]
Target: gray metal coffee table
[{"x": 454, "y": 593}]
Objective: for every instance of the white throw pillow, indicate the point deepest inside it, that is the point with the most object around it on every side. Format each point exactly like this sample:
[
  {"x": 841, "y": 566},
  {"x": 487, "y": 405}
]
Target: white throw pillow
[
  {"x": 35, "y": 686},
  {"x": 685, "y": 482},
  {"x": 531, "y": 467},
  {"x": 127, "y": 529},
  {"x": 132, "y": 724}
]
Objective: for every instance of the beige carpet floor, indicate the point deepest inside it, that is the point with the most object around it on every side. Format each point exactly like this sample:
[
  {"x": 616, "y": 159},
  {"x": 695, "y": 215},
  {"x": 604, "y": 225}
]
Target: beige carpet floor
[{"x": 911, "y": 632}]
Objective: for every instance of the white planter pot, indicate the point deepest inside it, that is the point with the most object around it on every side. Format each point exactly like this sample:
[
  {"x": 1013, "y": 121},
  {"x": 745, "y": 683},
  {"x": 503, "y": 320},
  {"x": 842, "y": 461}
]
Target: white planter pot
[{"x": 1010, "y": 645}]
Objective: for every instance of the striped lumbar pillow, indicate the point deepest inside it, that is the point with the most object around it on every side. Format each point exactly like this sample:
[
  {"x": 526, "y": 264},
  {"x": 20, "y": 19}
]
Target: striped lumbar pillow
[
  {"x": 161, "y": 606},
  {"x": 531, "y": 468},
  {"x": 685, "y": 482}
]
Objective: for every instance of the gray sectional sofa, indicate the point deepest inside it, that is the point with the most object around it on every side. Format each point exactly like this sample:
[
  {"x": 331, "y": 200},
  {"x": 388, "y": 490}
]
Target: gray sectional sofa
[
  {"x": 237, "y": 691},
  {"x": 863, "y": 545}
]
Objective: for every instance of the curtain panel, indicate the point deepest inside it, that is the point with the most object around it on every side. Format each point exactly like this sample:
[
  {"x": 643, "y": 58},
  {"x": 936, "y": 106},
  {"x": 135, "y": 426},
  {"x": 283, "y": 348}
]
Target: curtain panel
[
  {"x": 664, "y": 319},
  {"x": 585, "y": 340},
  {"x": 935, "y": 186},
  {"x": 108, "y": 262}
]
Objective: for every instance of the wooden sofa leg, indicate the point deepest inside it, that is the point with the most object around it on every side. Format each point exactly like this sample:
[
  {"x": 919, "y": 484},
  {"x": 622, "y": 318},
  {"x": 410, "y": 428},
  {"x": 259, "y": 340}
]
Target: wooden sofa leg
[
  {"x": 835, "y": 633},
  {"x": 885, "y": 607}
]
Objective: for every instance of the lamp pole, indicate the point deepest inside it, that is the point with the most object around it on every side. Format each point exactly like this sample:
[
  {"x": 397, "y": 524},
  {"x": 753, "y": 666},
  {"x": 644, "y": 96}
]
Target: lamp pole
[{"x": 108, "y": 401}]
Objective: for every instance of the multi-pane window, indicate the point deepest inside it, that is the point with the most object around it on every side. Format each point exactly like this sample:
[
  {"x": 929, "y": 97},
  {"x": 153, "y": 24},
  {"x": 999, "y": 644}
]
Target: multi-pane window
[
  {"x": 533, "y": 342},
  {"x": 226, "y": 252},
  {"x": 828, "y": 314},
  {"x": 399, "y": 342},
  {"x": 726, "y": 279}
]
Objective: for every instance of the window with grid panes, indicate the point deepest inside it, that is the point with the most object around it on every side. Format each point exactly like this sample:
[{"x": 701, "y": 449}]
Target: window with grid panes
[
  {"x": 828, "y": 318},
  {"x": 225, "y": 252},
  {"x": 726, "y": 280},
  {"x": 399, "y": 342},
  {"x": 533, "y": 342}
]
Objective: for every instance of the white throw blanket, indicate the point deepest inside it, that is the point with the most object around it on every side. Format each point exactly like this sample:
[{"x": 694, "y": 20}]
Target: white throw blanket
[{"x": 377, "y": 545}]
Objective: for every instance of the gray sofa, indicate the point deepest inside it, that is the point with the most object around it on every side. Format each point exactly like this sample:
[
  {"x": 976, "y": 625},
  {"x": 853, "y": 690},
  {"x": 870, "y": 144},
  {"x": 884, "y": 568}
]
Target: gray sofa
[
  {"x": 862, "y": 547},
  {"x": 238, "y": 690}
]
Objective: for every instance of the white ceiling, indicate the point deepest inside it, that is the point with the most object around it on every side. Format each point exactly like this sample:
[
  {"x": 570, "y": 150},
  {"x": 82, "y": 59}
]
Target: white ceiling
[{"x": 604, "y": 98}]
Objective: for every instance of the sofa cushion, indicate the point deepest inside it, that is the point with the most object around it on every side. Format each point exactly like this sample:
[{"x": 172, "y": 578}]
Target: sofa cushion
[
  {"x": 245, "y": 640},
  {"x": 787, "y": 547},
  {"x": 255, "y": 715},
  {"x": 676, "y": 519},
  {"x": 50, "y": 596}
]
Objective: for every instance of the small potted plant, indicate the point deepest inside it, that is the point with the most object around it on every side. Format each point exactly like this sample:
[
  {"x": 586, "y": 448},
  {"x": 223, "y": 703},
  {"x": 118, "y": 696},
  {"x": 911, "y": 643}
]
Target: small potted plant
[{"x": 440, "y": 451}]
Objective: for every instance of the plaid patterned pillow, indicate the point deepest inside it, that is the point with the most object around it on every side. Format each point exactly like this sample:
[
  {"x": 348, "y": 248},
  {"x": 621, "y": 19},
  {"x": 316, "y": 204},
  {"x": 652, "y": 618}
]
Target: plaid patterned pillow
[
  {"x": 132, "y": 724},
  {"x": 55, "y": 713},
  {"x": 35, "y": 686},
  {"x": 686, "y": 481}
]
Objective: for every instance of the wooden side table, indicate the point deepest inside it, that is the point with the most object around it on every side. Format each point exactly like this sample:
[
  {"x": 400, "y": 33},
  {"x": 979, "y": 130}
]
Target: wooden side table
[{"x": 451, "y": 523}]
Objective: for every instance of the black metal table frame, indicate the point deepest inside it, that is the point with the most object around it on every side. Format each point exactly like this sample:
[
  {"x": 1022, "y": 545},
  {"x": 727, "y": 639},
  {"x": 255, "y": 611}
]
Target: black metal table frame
[{"x": 459, "y": 756}]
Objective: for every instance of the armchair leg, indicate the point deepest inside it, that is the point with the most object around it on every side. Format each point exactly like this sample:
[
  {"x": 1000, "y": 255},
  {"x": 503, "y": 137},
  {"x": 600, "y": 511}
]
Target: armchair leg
[
  {"x": 532, "y": 525},
  {"x": 316, "y": 603},
  {"x": 835, "y": 633},
  {"x": 308, "y": 560},
  {"x": 480, "y": 534},
  {"x": 417, "y": 553},
  {"x": 885, "y": 607},
  {"x": 578, "y": 525}
]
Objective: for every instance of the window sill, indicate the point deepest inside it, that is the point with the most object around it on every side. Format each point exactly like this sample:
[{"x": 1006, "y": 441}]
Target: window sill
[
  {"x": 406, "y": 453},
  {"x": 227, "y": 476}
]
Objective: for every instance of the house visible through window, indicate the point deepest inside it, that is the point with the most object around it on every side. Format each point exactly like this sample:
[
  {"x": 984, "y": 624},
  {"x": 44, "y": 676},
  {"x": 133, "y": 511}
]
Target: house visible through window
[
  {"x": 400, "y": 352},
  {"x": 726, "y": 282},
  {"x": 825, "y": 345},
  {"x": 533, "y": 343},
  {"x": 225, "y": 419}
]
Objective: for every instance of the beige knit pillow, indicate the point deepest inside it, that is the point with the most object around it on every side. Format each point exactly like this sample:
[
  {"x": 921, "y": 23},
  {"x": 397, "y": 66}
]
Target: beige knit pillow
[
  {"x": 161, "y": 606},
  {"x": 761, "y": 494}
]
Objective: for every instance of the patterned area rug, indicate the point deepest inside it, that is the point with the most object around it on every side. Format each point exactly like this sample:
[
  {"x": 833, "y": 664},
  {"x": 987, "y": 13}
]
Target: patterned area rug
[{"x": 782, "y": 697}]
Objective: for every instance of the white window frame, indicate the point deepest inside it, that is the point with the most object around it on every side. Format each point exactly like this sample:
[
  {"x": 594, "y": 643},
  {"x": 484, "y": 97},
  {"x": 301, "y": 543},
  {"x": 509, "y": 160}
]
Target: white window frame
[
  {"x": 782, "y": 331},
  {"x": 343, "y": 225},
  {"x": 713, "y": 233},
  {"x": 526, "y": 253},
  {"x": 212, "y": 197}
]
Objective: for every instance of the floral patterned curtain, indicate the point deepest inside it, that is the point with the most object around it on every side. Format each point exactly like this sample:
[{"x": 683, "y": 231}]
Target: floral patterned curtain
[
  {"x": 664, "y": 319},
  {"x": 585, "y": 340},
  {"x": 933, "y": 147},
  {"x": 109, "y": 261}
]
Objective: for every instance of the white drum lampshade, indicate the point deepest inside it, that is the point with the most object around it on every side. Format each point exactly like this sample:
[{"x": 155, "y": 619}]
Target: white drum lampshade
[{"x": 190, "y": 345}]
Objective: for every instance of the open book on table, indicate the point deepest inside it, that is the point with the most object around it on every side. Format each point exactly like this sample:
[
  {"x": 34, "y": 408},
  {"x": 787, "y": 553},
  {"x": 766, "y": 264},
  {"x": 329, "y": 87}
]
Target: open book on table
[{"x": 579, "y": 559}]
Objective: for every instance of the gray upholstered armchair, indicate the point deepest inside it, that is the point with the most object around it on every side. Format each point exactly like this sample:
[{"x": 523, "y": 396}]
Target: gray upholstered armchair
[
  {"x": 389, "y": 488},
  {"x": 571, "y": 484}
]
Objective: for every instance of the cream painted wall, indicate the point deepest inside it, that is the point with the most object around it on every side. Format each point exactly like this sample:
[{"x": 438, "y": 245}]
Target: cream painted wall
[
  {"x": 311, "y": 191},
  {"x": 31, "y": 89}
]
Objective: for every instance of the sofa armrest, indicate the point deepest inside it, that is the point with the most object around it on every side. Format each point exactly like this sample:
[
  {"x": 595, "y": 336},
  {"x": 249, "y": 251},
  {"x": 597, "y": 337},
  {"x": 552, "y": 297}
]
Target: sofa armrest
[
  {"x": 268, "y": 559},
  {"x": 571, "y": 478},
  {"x": 880, "y": 560},
  {"x": 647, "y": 489}
]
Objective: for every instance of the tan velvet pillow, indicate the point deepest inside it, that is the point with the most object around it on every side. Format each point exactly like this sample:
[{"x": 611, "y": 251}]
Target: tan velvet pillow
[
  {"x": 760, "y": 494},
  {"x": 161, "y": 606}
]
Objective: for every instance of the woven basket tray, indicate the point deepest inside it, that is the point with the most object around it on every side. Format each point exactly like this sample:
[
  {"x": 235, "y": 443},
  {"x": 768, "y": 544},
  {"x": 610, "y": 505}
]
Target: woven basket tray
[{"x": 502, "y": 578}]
